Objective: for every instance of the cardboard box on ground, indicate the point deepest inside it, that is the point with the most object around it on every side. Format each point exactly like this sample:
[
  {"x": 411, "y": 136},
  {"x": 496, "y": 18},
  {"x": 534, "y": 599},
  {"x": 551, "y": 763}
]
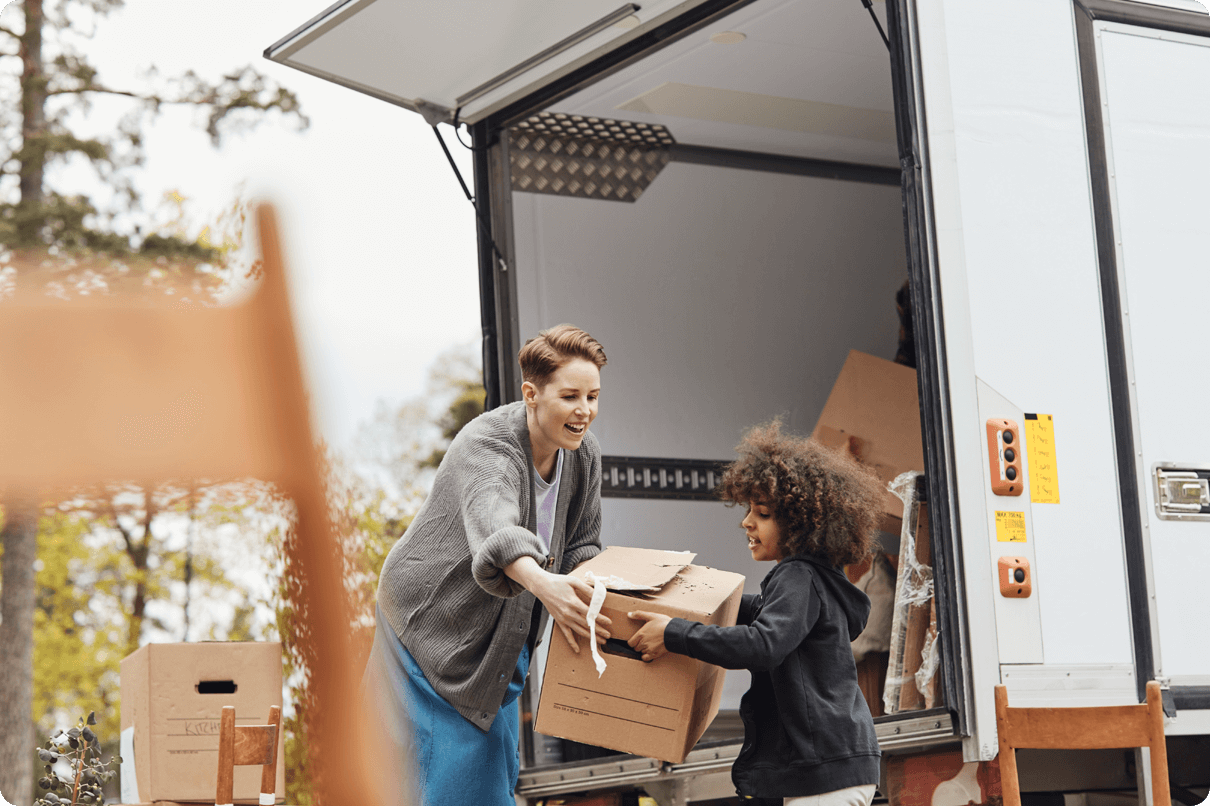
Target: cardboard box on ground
[
  {"x": 172, "y": 697},
  {"x": 659, "y": 709}
]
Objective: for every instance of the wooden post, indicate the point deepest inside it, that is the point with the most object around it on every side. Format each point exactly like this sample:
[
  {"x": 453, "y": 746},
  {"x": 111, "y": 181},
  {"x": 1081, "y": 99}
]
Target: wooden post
[
  {"x": 1010, "y": 786},
  {"x": 224, "y": 793},
  {"x": 1161, "y": 794},
  {"x": 268, "y": 774}
]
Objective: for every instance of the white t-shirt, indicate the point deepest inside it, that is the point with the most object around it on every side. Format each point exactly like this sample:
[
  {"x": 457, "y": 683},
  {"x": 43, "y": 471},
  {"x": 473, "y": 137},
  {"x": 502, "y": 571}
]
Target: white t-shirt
[{"x": 548, "y": 499}]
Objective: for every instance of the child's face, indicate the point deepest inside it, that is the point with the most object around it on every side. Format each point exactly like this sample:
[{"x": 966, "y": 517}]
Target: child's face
[{"x": 764, "y": 532}]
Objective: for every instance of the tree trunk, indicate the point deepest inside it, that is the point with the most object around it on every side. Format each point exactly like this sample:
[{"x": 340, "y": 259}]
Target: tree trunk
[
  {"x": 33, "y": 120},
  {"x": 20, "y": 537},
  {"x": 139, "y": 551}
]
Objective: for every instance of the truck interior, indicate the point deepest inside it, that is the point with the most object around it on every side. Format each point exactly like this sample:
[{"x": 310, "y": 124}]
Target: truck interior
[{"x": 725, "y": 215}]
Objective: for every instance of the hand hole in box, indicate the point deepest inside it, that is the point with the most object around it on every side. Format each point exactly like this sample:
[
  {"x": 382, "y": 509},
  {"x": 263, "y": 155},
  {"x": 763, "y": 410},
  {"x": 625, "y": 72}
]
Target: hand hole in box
[
  {"x": 216, "y": 687},
  {"x": 618, "y": 647}
]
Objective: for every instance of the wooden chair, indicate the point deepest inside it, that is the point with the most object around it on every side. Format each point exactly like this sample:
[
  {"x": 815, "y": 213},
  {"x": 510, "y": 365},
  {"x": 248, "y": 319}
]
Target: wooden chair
[
  {"x": 113, "y": 387},
  {"x": 244, "y": 746},
  {"x": 1092, "y": 728}
]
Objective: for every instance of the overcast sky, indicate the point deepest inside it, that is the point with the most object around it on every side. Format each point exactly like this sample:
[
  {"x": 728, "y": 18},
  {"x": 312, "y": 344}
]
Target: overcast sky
[{"x": 379, "y": 239}]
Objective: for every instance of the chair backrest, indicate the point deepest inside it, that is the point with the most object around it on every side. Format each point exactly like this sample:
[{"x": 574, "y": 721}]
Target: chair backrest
[
  {"x": 108, "y": 387},
  {"x": 246, "y": 745},
  {"x": 1090, "y": 728}
]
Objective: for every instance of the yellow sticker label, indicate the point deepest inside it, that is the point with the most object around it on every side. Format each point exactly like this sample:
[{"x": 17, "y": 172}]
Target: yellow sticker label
[
  {"x": 1010, "y": 527},
  {"x": 1043, "y": 467}
]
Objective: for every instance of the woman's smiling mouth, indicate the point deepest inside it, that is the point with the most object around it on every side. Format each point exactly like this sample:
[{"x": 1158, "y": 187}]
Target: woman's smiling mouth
[{"x": 577, "y": 428}]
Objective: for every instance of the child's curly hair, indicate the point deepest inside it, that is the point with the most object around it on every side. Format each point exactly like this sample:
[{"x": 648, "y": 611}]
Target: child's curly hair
[{"x": 825, "y": 503}]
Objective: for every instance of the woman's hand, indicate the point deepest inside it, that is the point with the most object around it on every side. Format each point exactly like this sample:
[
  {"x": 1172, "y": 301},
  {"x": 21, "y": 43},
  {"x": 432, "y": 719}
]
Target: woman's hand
[
  {"x": 564, "y": 596},
  {"x": 649, "y": 640}
]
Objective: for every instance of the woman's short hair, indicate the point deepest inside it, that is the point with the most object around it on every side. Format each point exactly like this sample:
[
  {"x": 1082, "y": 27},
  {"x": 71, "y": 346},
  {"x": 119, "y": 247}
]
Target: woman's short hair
[
  {"x": 545, "y": 353},
  {"x": 826, "y": 504}
]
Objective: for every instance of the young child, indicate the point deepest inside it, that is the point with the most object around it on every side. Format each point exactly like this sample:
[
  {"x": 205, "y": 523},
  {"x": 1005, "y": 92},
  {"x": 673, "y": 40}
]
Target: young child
[{"x": 808, "y": 734}]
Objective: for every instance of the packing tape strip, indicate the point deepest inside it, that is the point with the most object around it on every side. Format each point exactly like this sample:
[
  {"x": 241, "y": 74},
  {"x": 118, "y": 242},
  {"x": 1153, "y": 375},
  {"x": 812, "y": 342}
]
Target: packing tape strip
[
  {"x": 594, "y": 610},
  {"x": 267, "y": 799}
]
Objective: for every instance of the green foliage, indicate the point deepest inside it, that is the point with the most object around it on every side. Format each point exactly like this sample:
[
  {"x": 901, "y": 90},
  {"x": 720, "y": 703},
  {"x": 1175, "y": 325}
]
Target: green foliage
[
  {"x": 134, "y": 531},
  {"x": 407, "y": 443},
  {"x": 74, "y": 771},
  {"x": 89, "y": 577},
  {"x": 469, "y": 398},
  {"x": 78, "y": 635}
]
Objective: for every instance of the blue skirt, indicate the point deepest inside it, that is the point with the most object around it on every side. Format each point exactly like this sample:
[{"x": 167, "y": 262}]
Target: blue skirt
[{"x": 441, "y": 759}]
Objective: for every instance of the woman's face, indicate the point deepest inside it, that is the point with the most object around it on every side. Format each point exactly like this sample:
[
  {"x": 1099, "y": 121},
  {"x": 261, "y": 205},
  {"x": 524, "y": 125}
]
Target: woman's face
[
  {"x": 764, "y": 533},
  {"x": 561, "y": 411}
]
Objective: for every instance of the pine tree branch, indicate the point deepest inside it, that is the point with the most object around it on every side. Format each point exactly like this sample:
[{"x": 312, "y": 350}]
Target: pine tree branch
[{"x": 97, "y": 88}]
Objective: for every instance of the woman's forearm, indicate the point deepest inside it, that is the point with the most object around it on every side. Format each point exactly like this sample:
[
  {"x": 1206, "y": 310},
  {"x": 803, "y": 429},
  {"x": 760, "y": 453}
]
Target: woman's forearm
[
  {"x": 565, "y": 598},
  {"x": 526, "y": 572}
]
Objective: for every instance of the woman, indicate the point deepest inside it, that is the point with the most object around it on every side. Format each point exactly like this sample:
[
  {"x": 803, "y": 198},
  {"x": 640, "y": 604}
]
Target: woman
[{"x": 462, "y": 597}]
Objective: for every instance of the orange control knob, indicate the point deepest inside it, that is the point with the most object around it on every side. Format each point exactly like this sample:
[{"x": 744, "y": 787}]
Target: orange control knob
[
  {"x": 1016, "y": 582},
  {"x": 1004, "y": 462}
]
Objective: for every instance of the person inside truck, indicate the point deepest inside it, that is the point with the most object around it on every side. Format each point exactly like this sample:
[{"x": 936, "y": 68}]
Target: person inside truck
[
  {"x": 515, "y": 506},
  {"x": 808, "y": 734}
]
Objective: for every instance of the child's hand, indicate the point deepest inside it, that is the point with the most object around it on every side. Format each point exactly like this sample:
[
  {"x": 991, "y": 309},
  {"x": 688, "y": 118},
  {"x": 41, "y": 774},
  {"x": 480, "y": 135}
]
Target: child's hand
[{"x": 649, "y": 640}]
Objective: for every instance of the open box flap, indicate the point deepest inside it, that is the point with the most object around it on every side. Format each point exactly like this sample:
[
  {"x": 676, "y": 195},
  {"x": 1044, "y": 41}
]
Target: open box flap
[{"x": 643, "y": 568}]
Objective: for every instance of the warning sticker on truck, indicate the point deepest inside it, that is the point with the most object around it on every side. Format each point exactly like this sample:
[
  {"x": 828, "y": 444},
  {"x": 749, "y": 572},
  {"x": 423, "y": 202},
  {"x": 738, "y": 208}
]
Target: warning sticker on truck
[
  {"x": 1010, "y": 527},
  {"x": 1043, "y": 468}
]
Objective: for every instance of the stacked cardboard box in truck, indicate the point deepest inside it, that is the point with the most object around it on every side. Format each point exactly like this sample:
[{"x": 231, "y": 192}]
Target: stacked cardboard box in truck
[{"x": 873, "y": 412}]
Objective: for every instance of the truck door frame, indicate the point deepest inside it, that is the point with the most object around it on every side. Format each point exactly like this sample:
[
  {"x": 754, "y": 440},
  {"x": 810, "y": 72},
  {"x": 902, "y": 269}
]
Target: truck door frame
[{"x": 499, "y": 310}]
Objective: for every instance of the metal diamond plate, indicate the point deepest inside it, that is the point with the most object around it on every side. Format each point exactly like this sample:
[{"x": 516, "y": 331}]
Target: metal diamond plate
[{"x": 589, "y": 157}]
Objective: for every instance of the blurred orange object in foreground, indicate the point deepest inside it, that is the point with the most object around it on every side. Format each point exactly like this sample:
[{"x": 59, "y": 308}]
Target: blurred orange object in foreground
[{"x": 114, "y": 388}]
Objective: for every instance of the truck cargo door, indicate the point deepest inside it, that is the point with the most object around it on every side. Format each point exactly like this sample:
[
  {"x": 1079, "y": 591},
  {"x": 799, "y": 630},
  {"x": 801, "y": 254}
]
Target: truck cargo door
[
  {"x": 461, "y": 57},
  {"x": 1153, "y": 100}
]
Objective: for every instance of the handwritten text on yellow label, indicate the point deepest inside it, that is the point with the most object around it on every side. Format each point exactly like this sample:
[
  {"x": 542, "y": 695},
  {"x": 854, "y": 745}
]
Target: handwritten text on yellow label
[
  {"x": 1010, "y": 527},
  {"x": 1043, "y": 466}
]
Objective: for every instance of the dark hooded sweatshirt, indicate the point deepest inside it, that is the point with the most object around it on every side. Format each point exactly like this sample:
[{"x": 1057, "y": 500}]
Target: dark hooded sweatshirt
[{"x": 807, "y": 729}]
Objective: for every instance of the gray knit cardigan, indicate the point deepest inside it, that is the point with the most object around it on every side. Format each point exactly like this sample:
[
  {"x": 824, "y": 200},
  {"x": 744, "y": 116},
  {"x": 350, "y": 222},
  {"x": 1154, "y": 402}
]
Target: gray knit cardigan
[{"x": 442, "y": 588}]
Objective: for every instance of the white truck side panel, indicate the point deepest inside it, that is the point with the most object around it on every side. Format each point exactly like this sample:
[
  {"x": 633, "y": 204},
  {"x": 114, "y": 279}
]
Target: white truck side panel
[
  {"x": 1020, "y": 301},
  {"x": 1157, "y": 86},
  {"x": 1035, "y": 298}
]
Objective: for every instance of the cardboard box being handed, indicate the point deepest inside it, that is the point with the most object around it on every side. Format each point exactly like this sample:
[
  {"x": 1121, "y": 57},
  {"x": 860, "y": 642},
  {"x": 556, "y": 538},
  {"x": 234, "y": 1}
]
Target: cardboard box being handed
[{"x": 659, "y": 709}]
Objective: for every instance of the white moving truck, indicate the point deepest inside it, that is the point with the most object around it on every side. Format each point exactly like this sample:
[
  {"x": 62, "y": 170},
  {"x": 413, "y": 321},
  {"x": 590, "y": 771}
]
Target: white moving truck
[{"x": 729, "y": 193}]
